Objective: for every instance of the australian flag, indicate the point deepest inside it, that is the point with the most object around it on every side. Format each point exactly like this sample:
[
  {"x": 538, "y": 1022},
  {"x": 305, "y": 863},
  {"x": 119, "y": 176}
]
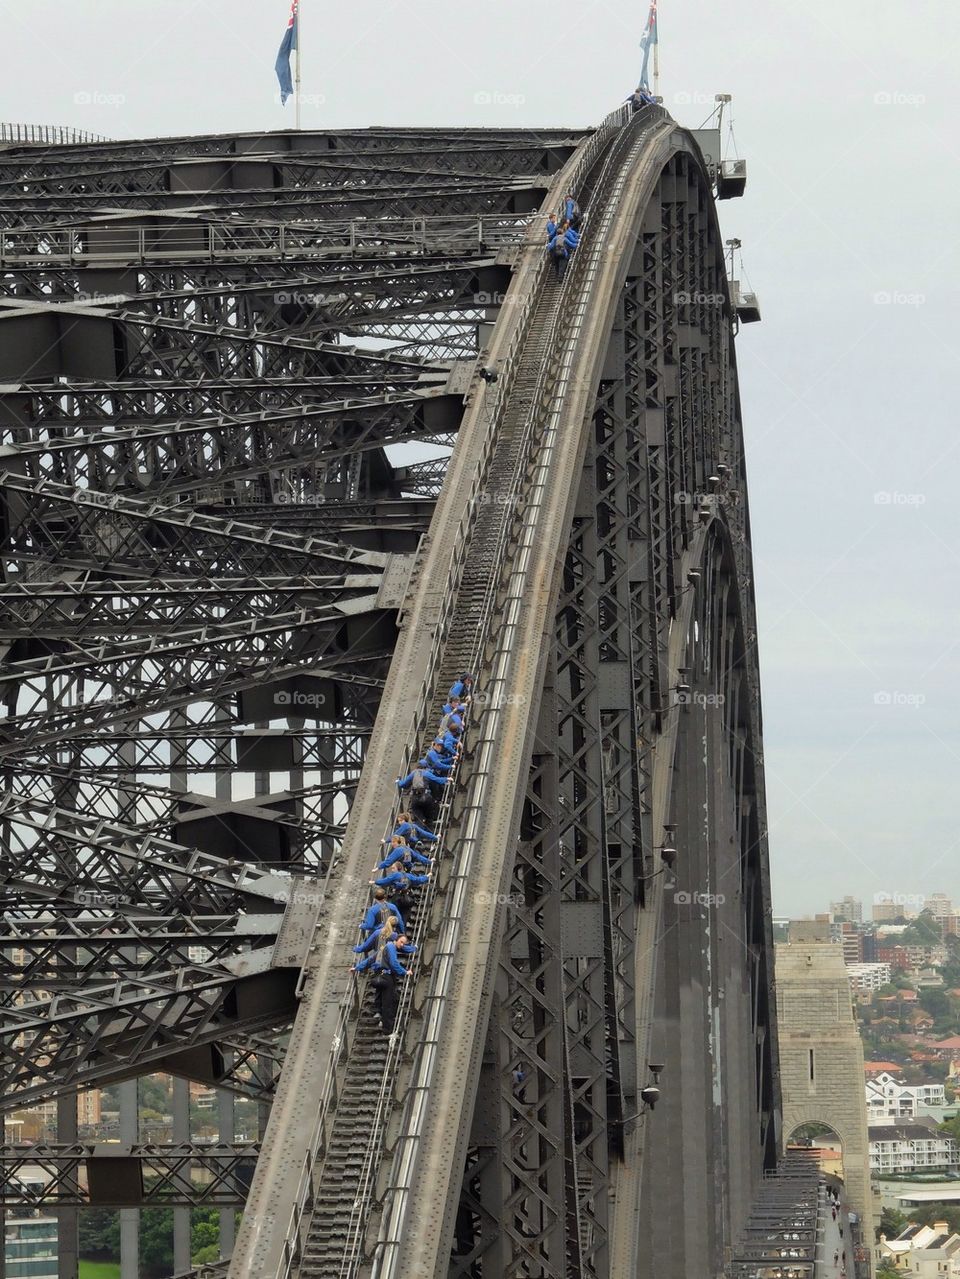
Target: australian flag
[
  {"x": 287, "y": 46},
  {"x": 647, "y": 43}
]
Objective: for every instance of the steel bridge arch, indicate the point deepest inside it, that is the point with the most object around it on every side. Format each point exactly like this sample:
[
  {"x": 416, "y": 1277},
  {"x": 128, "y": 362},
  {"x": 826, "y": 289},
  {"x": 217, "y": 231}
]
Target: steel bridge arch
[
  {"x": 553, "y": 1217},
  {"x": 613, "y": 434}
]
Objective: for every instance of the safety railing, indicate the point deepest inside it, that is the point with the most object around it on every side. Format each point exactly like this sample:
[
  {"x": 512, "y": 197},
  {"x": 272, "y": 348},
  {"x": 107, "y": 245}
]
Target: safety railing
[
  {"x": 351, "y": 1002},
  {"x": 223, "y": 240},
  {"x": 59, "y": 135}
]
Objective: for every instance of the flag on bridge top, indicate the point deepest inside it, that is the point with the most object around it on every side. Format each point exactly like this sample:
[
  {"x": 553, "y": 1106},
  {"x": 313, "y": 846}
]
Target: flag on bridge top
[
  {"x": 287, "y": 45},
  {"x": 647, "y": 42}
]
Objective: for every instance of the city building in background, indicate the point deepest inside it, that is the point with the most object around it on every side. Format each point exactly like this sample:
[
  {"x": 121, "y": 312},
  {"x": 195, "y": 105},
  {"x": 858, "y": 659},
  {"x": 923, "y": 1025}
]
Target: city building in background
[
  {"x": 868, "y": 976},
  {"x": 917, "y": 1146},
  {"x": 848, "y": 910},
  {"x": 30, "y": 1246},
  {"x": 891, "y": 1098}
]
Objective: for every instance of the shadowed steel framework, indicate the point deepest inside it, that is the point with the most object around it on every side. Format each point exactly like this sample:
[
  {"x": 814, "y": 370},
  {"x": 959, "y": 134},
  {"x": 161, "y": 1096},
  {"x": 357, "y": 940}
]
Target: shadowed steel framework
[{"x": 260, "y": 507}]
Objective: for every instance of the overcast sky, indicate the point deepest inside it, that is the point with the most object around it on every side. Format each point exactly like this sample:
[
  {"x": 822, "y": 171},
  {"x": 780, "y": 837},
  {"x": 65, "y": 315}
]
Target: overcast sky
[{"x": 846, "y": 114}]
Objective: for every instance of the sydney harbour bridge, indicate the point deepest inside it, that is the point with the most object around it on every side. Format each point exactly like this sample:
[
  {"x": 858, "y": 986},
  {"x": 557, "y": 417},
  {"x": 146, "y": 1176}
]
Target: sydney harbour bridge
[{"x": 297, "y": 427}]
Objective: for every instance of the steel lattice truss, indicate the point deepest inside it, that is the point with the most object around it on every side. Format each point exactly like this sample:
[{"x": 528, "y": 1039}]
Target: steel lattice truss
[
  {"x": 231, "y": 374},
  {"x": 142, "y": 1176},
  {"x": 231, "y": 370}
]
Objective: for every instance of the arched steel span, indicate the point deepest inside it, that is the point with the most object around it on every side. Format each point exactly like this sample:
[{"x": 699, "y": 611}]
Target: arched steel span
[
  {"x": 614, "y": 632},
  {"x": 214, "y": 352}
]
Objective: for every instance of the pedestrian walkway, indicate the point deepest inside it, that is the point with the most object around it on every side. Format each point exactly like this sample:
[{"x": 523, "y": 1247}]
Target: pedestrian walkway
[{"x": 832, "y": 1244}]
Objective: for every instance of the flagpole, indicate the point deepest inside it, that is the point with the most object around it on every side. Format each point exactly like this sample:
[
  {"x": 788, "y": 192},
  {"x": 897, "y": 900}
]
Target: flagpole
[
  {"x": 297, "y": 33},
  {"x": 656, "y": 58}
]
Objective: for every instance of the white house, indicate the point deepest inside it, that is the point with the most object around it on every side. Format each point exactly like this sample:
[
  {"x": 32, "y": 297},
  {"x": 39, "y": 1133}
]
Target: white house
[
  {"x": 910, "y": 1147},
  {"x": 924, "y": 1252},
  {"x": 868, "y": 976},
  {"x": 890, "y": 1098}
]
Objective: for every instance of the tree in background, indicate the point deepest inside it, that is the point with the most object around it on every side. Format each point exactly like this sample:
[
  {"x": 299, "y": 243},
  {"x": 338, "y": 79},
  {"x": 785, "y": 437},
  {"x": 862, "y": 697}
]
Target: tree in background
[
  {"x": 937, "y": 1004},
  {"x": 892, "y": 1223},
  {"x": 922, "y": 931},
  {"x": 100, "y": 1234}
]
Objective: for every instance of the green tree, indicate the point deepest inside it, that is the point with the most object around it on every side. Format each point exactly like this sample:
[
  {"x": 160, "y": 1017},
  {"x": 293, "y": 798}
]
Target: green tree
[
  {"x": 922, "y": 931},
  {"x": 937, "y": 1004},
  {"x": 155, "y": 1092},
  {"x": 892, "y": 1223},
  {"x": 156, "y": 1242},
  {"x": 99, "y": 1234}
]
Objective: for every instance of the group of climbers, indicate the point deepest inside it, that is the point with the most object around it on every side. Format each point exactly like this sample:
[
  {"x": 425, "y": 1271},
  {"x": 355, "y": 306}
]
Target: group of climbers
[
  {"x": 563, "y": 228},
  {"x": 563, "y": 235},
  {"x": 641, "y": 98},
  {"x": 407, "y": 860}
]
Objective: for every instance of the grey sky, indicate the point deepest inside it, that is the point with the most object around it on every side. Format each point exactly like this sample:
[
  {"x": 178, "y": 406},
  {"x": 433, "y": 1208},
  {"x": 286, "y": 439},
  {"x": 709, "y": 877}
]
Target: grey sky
[{"x": 847, "y": 116}]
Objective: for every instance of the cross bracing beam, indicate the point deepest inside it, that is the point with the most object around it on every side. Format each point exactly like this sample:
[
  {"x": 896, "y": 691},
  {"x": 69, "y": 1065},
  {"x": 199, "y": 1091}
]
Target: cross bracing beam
[
  {"x": 91, "y": 404},
  {"x": 31, "y": 946},
  {"x": 338, "y": 169},
  {"x": 72, "y": 1041},
  {"x": 159, "y": 809},
  {"x": 207, "y": 748},
  {"x": 325, "y": 294},
  {"x": 193, "y": 456},
  {"x": 152, "y": 237},
  {"x": 67, "y": 526},
  {"x": 443, "y": 199},
  {"x": 206, "y": 665},
  {"x": 86, "y": 607},
  {"x": 379, "y": 307},
  {"x": 92, "y": 1175},
  {"x": 83, "y": 860},
  {"x": 489, "y": 146}
]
